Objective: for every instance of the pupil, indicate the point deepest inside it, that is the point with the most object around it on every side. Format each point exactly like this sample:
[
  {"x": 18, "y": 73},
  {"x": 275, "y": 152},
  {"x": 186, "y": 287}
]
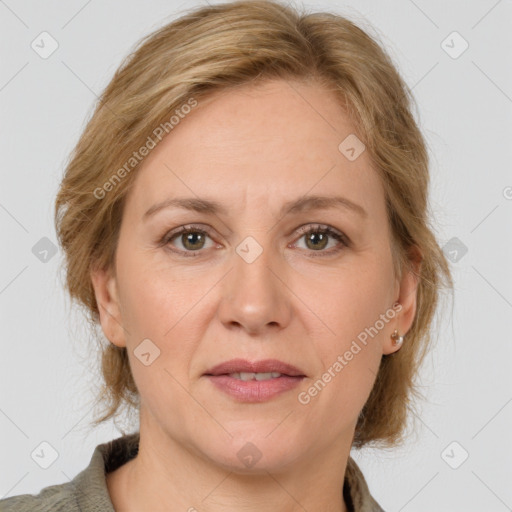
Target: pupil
[
  {"x": 190, "y": 240},
  {"x": 322, "y": 236}
]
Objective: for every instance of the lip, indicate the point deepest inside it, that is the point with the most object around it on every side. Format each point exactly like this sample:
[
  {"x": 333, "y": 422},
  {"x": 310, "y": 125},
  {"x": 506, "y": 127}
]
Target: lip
[
  {"x": 262, "y": 366},
  {"x": 254, "y": 390}
]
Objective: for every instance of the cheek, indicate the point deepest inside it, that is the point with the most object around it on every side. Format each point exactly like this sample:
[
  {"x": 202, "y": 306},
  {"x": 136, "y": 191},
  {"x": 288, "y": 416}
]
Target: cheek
[
  {"x": 350, "y": 355},
  {"x": 163, "y": 305},
  {"x": 351, "y": 300},
  {"x": 151, "y": 292},
  {"x": 156, "y": 309},
  {"x": 351, "y": 316}
]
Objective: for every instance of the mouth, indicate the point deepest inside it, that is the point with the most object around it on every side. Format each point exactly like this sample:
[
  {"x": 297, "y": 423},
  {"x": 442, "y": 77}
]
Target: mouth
[
  {"x": 259, "y": 370},
  {"x": 258, "y": 381},
  {"x": 247, "y": 376}
]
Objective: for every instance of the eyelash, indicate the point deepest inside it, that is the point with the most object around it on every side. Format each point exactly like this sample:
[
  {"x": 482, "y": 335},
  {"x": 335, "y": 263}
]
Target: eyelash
[{"x": 304, "y": 230}]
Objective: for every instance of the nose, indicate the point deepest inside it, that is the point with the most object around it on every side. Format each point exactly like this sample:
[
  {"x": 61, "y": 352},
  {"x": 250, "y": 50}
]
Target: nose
[{"x": 255, "y": 297}]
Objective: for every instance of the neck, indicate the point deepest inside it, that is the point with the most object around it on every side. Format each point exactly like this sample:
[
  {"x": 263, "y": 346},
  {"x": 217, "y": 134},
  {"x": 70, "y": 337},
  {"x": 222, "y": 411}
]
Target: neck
[{"x": 167, "y": 475}]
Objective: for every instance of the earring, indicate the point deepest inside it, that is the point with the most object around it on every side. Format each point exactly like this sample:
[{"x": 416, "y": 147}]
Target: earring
[{"x": 397, "y": 339}]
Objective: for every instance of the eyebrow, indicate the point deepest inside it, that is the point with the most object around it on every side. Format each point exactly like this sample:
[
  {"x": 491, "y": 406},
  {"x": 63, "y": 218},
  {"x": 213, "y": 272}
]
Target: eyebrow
[{"x": 305, "y": 203}]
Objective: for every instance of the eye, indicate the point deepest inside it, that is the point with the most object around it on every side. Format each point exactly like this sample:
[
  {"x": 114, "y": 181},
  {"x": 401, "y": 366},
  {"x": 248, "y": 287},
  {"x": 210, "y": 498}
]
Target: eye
[
  {"x": 317, "y": 239},
  {"x": 191, "y": 238}
]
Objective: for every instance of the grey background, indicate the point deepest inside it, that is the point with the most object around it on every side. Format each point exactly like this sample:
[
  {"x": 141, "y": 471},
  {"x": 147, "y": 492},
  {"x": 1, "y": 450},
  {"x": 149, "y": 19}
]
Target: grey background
[{"x": 465, "y": 106}]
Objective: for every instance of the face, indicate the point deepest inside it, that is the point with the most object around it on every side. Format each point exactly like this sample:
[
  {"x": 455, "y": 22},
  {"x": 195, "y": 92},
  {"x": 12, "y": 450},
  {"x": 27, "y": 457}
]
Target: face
[{"x": 255, "y": 279}]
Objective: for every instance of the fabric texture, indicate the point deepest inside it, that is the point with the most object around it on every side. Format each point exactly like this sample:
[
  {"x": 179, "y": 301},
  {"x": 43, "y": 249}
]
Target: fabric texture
[{"x": 88, "y": 491}]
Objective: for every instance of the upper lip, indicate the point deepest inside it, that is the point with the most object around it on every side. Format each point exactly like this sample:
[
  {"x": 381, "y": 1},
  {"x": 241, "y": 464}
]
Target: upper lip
[{"x": 263, "y": 366}]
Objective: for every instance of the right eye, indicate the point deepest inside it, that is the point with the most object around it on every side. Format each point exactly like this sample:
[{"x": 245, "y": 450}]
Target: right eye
[{"x": 191, "y": 238}]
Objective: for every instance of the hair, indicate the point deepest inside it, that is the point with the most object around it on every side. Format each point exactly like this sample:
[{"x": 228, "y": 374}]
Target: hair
[{"x": 217, "y": 47}]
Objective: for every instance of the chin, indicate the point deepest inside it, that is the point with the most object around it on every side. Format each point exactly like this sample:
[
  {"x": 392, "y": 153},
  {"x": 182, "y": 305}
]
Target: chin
[{"x": 254, "y": 451}]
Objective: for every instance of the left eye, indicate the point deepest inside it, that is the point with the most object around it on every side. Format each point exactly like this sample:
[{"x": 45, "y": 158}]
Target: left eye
[
  {"x": 193, "y": 239},
  {"x": 317, "y": 237}
]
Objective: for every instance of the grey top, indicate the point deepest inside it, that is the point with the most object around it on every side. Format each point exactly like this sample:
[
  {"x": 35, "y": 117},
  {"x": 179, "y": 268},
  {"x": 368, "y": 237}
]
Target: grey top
[{"x": 88, "y": 491}]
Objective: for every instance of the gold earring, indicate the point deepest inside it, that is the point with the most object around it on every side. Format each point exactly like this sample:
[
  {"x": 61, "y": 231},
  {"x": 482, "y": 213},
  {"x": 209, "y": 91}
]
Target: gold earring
[{"x": 397, "y": 339}]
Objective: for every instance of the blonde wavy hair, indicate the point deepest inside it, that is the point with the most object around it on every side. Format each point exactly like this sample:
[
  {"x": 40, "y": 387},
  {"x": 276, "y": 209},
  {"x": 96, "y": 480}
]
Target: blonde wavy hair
[{"x": 228, "y": 45}]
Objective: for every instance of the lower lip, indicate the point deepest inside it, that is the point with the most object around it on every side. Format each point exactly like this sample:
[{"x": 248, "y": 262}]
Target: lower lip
[{"x": 254, "y": 390}]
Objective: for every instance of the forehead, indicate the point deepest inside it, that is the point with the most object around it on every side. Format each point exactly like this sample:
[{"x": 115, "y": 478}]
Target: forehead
[{"x": 242, "y": 144}]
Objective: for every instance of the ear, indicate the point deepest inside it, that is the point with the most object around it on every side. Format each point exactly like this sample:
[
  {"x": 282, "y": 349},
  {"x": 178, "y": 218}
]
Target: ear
[
  {"x": 107, "y": 298},
  {"x": 407, "y": 292}
]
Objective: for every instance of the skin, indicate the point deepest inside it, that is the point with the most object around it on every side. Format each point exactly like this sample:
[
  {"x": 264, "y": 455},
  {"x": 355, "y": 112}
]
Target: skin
[{"x": 251, "y": 149}]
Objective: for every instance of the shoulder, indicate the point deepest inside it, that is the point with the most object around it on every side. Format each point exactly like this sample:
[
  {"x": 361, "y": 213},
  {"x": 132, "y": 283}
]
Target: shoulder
[
  {"x": 88, "y": 491},
  {"x": 356, "y": 491},
  {"x": 56, "y": 498}
]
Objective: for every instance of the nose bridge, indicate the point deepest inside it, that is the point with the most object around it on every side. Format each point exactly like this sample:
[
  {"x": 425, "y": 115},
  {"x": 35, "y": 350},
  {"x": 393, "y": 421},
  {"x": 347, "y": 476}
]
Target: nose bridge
[
  {"x": 253, "y": 260},
  {"x": 253, "y": 295}
]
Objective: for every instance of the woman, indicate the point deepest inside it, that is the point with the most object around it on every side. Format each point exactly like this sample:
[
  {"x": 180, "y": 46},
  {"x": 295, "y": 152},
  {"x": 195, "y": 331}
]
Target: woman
[{"x": 245, "y": 215}]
